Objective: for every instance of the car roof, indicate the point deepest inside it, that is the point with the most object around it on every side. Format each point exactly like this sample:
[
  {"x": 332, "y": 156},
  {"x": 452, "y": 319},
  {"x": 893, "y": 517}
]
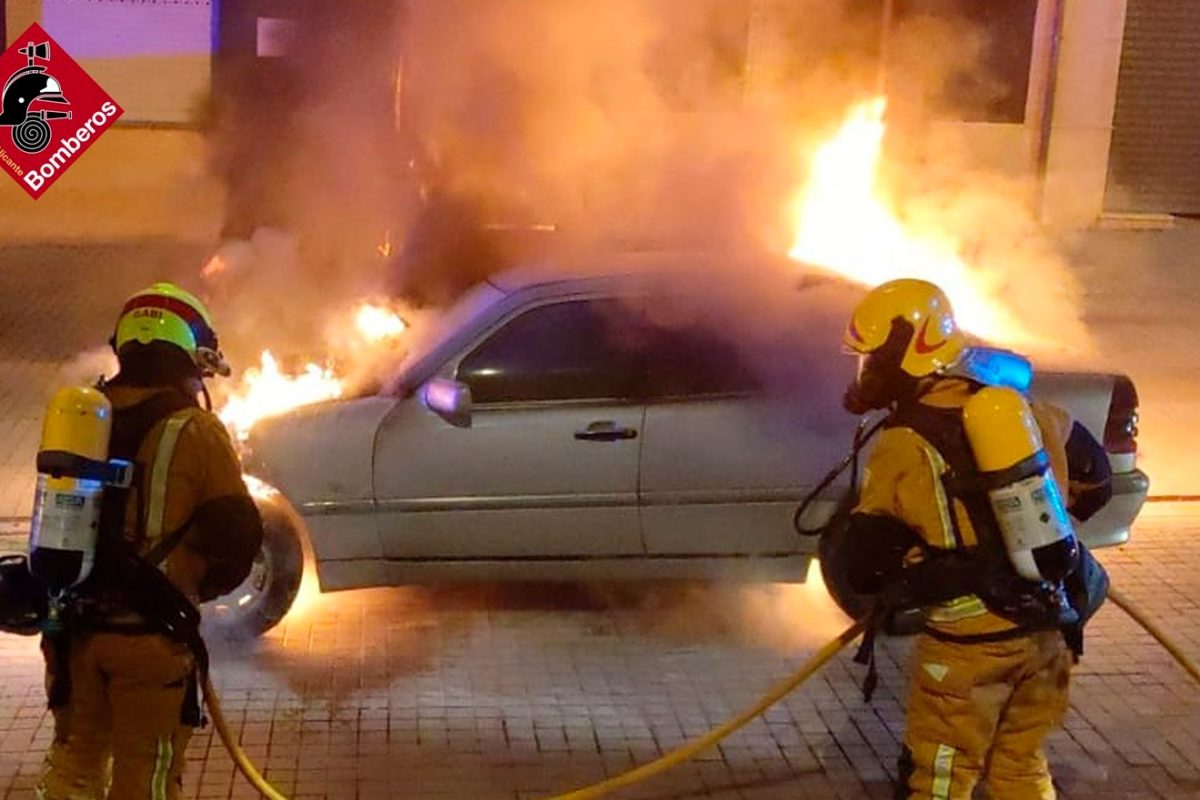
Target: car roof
[{"x": 629, "y": 266}]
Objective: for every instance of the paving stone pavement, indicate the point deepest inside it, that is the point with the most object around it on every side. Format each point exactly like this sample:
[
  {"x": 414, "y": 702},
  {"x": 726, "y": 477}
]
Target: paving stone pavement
[{"x": 523, "y": 691}]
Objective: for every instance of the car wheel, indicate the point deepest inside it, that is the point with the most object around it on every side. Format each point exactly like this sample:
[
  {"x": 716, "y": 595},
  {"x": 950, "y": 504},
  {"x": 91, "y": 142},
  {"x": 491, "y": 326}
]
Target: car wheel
[{"x": 264, "y": 597}]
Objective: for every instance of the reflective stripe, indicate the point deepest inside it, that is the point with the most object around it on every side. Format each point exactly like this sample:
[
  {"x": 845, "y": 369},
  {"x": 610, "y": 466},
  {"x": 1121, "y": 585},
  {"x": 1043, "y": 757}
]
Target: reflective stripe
[
  {"x": 156, "y": 510},
  {"x": 964, "y": 607},
  {"x": 162, "y": 768},
  {"x": 938, "y": 466},
  {"x": 943, "y": 766}
]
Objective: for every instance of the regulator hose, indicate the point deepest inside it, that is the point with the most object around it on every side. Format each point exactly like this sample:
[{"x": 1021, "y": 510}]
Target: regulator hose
[{"x": 862, "y": 435}]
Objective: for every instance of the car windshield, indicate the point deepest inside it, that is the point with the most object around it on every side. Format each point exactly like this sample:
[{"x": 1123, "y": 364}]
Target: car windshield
[{"x": 439, "y": 327}]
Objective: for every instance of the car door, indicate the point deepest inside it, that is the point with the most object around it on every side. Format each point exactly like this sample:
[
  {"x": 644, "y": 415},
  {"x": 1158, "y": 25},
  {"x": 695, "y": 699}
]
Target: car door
[
  {"x": 731, "y": 446},
  {"x": 547, "y": 467}
]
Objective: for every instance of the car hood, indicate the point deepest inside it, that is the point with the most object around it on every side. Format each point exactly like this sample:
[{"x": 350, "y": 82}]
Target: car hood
[{"x": 319, "y": 454}]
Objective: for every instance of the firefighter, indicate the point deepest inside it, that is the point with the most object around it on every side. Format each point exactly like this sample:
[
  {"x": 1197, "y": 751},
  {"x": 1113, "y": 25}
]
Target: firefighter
[
  {"x": 990, "y": 671},
  {"x": 122, "y": 671}
]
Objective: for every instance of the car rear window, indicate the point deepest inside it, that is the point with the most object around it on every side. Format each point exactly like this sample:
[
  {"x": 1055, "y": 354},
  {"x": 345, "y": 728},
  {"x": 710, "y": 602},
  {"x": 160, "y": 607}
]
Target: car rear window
[{"x": 694, "y": 362}]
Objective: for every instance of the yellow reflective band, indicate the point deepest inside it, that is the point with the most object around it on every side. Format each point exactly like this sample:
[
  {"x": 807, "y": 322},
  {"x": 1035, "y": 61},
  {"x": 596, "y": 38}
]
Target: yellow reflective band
[
  {"x": 963, "y": 607},
  {"x": 162, "y": 768},
  {"x": 943, "y": 767},
  {"x": 157, "y": 508},
  {"x": 938, "y": 466}
]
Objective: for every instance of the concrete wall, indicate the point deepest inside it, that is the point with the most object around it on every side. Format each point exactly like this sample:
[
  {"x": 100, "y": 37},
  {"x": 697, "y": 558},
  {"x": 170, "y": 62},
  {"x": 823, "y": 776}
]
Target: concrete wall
[
  {"x": 1085, "y": 94},
  {"x": 142, "y": 180},
  {"x": 151, "y": 182},
  {"x": 132, "y": 183}
]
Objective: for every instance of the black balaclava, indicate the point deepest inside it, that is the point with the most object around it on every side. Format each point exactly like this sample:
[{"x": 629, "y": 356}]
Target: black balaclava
[{"x": 881, "y": 382}]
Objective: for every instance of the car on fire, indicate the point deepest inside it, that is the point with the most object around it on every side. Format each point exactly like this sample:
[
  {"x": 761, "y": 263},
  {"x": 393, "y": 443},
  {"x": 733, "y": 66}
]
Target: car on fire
[{"x": 636, "y": 417}]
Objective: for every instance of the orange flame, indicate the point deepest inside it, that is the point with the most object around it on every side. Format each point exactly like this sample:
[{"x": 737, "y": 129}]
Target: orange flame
[
  {"x": 267, "y": 391},
  {"x": 845, "y": 224},
  {"x": 214, "y": 267},
  {"x": 377, "y": 323}
]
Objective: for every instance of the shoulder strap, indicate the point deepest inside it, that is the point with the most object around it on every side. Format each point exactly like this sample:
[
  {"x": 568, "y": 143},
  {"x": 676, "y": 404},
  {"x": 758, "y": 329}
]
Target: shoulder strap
[
  {"x": 160, "y": 473},
  {"x": 131, "y": 426},
  {"x": 944, "y": 430}
]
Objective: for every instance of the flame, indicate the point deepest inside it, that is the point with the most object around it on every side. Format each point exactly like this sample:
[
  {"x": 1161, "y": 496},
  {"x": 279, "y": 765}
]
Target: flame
[
  {"x": 377, "y": 323},
  {"x": 308, "y": 596},
  {"x": 258, "y": 488},
  {"x": 267, "y": 391},
  {"x": 214, "y": 267},
  {"x": 844, "y": 223}
]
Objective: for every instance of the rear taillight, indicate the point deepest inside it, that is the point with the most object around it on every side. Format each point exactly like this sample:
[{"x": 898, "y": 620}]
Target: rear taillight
[{"x": 1120, "y": 430}]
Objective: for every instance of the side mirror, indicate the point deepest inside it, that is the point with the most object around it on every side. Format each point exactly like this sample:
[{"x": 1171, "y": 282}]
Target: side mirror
[{"x": 449, "y": 399}]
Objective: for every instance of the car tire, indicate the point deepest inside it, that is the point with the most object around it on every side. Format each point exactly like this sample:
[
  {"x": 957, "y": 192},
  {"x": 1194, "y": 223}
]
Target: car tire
[{"x": 265, "y": 596}]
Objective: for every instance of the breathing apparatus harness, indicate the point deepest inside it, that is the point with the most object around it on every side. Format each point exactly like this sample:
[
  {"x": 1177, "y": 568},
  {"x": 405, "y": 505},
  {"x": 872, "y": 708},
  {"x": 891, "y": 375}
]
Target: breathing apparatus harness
[
  {"x": 89, "y": 574},
  {"x": 1015, "y": 512}
]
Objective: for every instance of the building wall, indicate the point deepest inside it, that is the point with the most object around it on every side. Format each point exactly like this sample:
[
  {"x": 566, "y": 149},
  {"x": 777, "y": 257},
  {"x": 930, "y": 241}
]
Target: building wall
[
  {"x": 148, "y": 176},
  {"x": 1085, "y": 94}
]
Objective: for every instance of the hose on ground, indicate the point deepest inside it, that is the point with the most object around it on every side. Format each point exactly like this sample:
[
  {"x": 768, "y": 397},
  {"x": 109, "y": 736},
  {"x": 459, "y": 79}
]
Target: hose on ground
[
  {"x": 1152, "y": 628},
  {"x": 690, "y": 749},
  {"x": 244, "y": 764},
  {"x": 636, "y": 775}
]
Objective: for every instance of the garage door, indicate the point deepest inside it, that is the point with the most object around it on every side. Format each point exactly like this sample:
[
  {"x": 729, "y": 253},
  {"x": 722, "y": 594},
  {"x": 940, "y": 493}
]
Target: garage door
[
  {"x": 153, "y": 58},
  {"x": 1155, "y": 158}
]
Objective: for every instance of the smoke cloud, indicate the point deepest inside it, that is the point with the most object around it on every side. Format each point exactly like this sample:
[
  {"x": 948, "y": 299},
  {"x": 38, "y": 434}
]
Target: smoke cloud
[{"x": 617, "y": 125}]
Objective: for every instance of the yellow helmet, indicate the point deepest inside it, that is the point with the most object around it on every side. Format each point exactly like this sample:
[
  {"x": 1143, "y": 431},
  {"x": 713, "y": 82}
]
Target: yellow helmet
[
  {"x": 933, "y": 340},
  {"x": 163, "y": 312}
]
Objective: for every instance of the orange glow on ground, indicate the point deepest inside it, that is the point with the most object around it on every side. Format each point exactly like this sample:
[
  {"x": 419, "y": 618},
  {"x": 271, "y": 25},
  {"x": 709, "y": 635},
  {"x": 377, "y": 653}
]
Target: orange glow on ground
[{"x": 309, "y": 595}]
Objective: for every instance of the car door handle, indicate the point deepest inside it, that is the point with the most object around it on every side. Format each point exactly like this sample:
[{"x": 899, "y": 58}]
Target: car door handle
[{"x": 605, "y": 431}]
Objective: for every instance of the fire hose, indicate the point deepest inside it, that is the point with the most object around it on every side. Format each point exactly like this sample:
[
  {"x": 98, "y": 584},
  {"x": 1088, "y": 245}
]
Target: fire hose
[
  {"x": 690, "y": 749},
  {"x": 636, "y": 775}
]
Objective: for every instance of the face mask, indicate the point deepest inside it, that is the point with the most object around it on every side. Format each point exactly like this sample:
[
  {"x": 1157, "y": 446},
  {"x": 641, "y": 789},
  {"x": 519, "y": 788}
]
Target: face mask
[{"x": 879, "y": 380}]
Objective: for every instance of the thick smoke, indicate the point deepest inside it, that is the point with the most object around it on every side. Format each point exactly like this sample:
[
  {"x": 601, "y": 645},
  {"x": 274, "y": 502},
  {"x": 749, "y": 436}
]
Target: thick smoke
[
  {"x": 476, "y": 126},
  {"x": 509, "y": 130}
]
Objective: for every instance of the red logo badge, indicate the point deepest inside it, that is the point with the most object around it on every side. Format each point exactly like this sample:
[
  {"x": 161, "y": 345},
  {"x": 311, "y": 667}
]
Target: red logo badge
[{"x": 50, "y": 113}]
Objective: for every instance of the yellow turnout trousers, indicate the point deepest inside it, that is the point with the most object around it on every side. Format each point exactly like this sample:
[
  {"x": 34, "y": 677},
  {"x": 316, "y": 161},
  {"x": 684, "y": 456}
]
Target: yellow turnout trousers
[
  {"x": 981, "y": 712},
  {"x": 120, "y": 735}
]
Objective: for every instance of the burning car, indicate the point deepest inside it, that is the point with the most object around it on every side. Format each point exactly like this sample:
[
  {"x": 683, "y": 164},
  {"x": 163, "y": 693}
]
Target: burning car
[{"x": 625, "y": 422}]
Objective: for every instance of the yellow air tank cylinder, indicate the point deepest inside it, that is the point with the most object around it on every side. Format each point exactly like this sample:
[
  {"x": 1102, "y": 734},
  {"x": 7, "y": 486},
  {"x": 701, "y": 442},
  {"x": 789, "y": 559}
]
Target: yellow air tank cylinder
[
  {"x": 71, "y": 460},
  {"x": 1028, "y": 505}
]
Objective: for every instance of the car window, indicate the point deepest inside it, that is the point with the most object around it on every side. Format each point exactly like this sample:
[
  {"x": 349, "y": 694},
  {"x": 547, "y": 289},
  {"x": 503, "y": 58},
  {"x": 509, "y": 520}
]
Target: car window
[
  {"x": 562, "y": 351},
  {"x": 694, "y": 361}
]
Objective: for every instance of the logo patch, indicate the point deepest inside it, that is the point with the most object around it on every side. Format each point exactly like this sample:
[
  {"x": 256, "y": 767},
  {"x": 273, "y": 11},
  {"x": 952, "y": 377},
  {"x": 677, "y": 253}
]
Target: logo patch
[
  {"x": 936, "y": 671},
  {"x": 51, "y": 111}
]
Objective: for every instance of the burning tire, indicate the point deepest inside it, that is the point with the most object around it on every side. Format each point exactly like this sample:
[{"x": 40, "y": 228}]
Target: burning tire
[{"x": 263, "y": 599}]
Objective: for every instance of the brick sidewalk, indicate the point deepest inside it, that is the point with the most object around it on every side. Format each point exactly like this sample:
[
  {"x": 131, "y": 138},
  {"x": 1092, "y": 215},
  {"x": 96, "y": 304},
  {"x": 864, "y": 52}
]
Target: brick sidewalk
[{"x": 520, "y": 692}]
